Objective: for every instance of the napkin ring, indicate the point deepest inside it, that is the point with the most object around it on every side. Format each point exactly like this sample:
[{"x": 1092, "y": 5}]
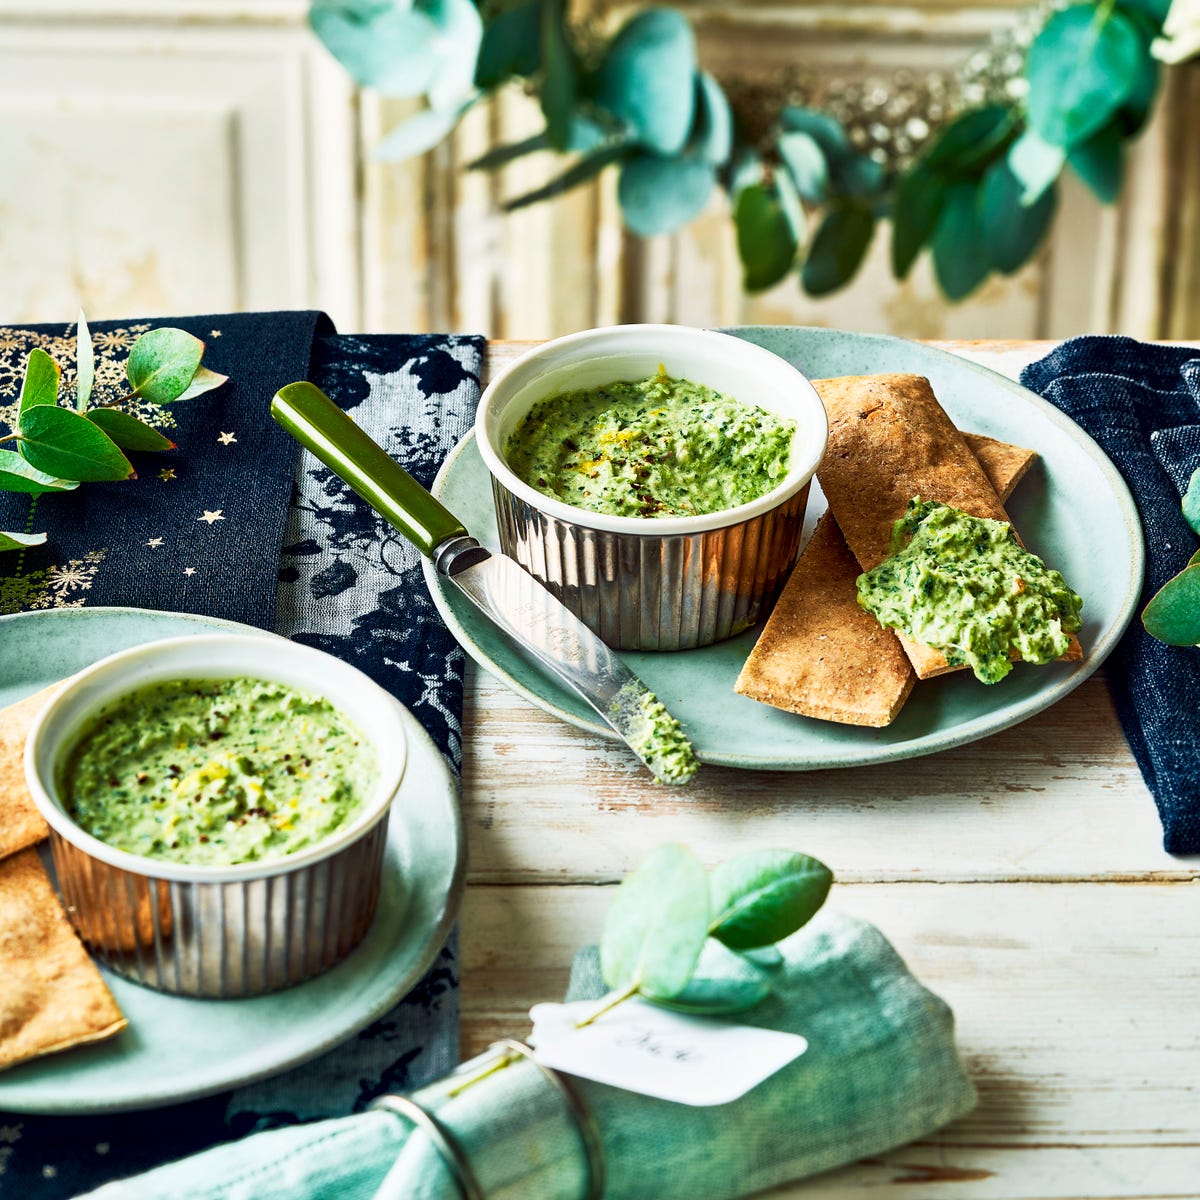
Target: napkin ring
[{"x": 455, "y": 1157}]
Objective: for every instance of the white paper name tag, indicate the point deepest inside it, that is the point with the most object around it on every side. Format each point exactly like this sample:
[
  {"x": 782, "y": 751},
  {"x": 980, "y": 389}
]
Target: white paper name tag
[{"x": 657, "y": 1052}]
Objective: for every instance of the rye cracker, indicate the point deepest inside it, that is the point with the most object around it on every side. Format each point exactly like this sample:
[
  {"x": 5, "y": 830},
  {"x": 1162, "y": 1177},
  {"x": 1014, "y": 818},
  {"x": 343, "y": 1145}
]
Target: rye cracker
[
  {"x": 53, "y": 996},
  {"x": 21, "y": 824},
  {"x": 821, "y": 654},
  {"x": 890, "y": 440}
]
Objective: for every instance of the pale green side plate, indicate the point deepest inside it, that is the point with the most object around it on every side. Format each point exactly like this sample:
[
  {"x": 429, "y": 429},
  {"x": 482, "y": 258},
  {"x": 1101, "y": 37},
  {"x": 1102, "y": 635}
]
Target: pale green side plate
[
  {"x": 179, "y": 1048},
  {"x": 1073, "y": 509}
]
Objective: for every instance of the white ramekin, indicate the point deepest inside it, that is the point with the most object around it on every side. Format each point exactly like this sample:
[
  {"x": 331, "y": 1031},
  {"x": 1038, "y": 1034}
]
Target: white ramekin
[
  {"x": 654, "y": 583},
  {"x": 210, "y": 930}
]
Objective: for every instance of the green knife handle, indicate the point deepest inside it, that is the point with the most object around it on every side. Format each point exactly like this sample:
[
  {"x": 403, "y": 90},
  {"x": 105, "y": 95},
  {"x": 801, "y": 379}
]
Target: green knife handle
[{"x": 319, "y": 425}]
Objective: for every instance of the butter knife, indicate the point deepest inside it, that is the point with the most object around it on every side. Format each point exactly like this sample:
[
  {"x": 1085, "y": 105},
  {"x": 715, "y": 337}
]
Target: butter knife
[{"x": 502, "y": 590}]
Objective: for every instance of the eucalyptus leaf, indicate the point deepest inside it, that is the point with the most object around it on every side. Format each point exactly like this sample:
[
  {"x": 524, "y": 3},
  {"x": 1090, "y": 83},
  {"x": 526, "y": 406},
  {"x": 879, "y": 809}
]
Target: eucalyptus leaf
[
  {"x": 162, "y": 363},
  {"x": 40, "y": 384},
  {"x": 1142, "y": 91},
  {"x": 917, "y": 204},
  {"x": 838, "y": 249},
  {"x": 560, "y": 75},
  {"x": 723, "y": 982},
  {"x": 581, "y": 171},
  {"x": 970, "y": 140},
  {"x": 806, "y": 164},
  {"x": 1173, "y": 615},
  {"x": 421, "y": 132},
  {"x": 127, "y": 431},
  {"x": 511, "y": 45},
  {"x": 766, "y": 243},
  {"x": 460, "y": 31},
  {"x": 793, "y": 208},
  {"x": 1011, "y": 231},
  {"x": 1036, "y": 163},
  {"x": 657, "y": 925},
  {"x": 760, "y": 898},
  {"x": 647, "y": 79},
  {"x": 203, "y": 381},
  {"x": 1155, "y": 10},
  {"x": 825, "y": 130},
  {"x": 500, "y": 156},
  {"x": 1081, "y": 69},
  {"x": 85, "y": 363},
  {"x": 20, "y": 541},
  {"x": 658, "y": 195},
  {"x": 1191, "y": 502},
  {"x": 65, "y": 443},
  {"x": 16, "y": 475},
  {"x": 960, "y": 257},
  {"x": 711, "y": 138},
  {"x": 1194, "y": 560},
  {"x": 1100, "y": 162},
  {"x": 383, "y": 45}
]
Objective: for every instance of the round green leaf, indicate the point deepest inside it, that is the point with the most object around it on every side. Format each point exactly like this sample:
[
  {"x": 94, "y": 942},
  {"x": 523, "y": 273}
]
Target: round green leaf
[
  {"x": 1036, "y": 163},
  {"x": 657, "y": 925},
  {"x": 1100, "y": 161},
  {"x": 960, "y": 257},
  {"x": 1191, "y": 501},
  {"x": 766, "y": 242},
  {"x": 560, "y": 75},
  {"x": 1173, "y": 615},
  {"x": 1011, "y": 231},
  {"x": 724, "y": 982},
  {"x": 383, "y": 45},
  {"x": 1081, "y": 69},
  {"x": 825, "y": 130},
  {"x": 421, "y": 132},
  {"x": 162, "y": 363},
  {"x": 64, "y": 443},
  {"x": 760, "y": 898},
  {"x": 806, "y": 164},
  {"x": 460, "y": 29},
  {"x": 40, "y": 384},
  {"x": 20, "y": 541},
  {"x": 647, "y": 79},
  {"x": 838, "y": 249},
  {"x": 16, "y": 475},
  {"x": 712, "y": 135},
  {"x": 127, "y": 431},
  {"x": 658, "y": 195},
  {"x": 915, "y": 210},
  {"x": 511, "y": 45},
  {"x": 971, "y": 140},
  {"x": 203, "y": 381}
]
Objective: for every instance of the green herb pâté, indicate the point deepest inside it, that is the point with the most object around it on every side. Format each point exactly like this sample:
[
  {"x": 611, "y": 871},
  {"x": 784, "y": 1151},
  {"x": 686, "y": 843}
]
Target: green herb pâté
[
  {"x": 963, "y": 585},
  {"x": 658, "y": 447},
  {"x": 217, "y": 771}
]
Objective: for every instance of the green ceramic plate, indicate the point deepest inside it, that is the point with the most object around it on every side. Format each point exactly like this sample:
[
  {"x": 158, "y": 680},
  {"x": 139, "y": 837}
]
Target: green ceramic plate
[
  {"x": 1073, "y": 508},
  {"x": 178, "y": 1048}
]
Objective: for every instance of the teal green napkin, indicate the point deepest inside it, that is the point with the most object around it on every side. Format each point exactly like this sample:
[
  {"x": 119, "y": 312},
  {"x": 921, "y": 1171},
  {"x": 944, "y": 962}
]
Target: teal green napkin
[{"x": 880, "y": 1071}]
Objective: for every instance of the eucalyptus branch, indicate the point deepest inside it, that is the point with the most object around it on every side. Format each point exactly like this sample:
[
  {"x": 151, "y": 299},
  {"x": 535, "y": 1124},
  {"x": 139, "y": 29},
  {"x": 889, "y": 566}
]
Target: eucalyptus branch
[
  {"x": 979, "y": 195},
  {"x": 59, "y": 447}
]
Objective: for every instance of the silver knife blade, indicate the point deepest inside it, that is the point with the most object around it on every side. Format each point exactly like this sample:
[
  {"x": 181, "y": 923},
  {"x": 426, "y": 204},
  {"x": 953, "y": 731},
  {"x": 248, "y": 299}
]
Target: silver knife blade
[{"x": 542, "y": 624}]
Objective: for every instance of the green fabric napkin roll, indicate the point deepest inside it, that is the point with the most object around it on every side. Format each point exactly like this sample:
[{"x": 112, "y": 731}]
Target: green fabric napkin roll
[{"x": 880, "y": 1071}]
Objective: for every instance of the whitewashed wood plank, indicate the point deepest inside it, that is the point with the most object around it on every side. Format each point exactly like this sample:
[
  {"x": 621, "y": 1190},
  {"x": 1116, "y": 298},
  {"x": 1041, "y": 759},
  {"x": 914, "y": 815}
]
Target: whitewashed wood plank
[{"x": 1074, "y": 1007}]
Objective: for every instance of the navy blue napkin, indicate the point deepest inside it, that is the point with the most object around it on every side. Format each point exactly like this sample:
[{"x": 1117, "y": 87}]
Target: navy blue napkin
[
  {"x": 239, "y": 523},
  {"x": 169, "y": 539},
  {"x": 1142, "y": 405}
]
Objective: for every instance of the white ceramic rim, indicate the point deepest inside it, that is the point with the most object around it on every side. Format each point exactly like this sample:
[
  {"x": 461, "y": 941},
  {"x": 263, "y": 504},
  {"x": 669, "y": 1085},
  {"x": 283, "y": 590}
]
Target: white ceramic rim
[
  {"x": 390, "y": 751},
  {"x": 769, "y": 369}
]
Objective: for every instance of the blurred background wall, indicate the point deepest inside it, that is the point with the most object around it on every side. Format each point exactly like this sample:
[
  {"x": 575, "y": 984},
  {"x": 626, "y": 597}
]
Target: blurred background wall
[{"x": 177, "y": 156}]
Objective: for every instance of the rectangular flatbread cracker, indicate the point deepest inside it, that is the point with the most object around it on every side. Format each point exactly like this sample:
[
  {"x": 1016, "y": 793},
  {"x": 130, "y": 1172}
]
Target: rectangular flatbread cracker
[
  {"x": 890, "y": 440},
  {"x": 52, "y": 996},
  {"x": 821, "y": 654},
  {"x": 21, "y": 824}
]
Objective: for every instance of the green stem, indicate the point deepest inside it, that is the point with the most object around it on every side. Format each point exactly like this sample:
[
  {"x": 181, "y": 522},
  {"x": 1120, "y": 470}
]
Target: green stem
[
  {"x": 503, "y": 1061},
  {"x": 10, "y": 437},
  {"x": 610, "y": 1002}
]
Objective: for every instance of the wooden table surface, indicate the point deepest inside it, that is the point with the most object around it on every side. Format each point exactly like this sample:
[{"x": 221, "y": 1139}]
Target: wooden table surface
[{"x": 1022, "y": 877}]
